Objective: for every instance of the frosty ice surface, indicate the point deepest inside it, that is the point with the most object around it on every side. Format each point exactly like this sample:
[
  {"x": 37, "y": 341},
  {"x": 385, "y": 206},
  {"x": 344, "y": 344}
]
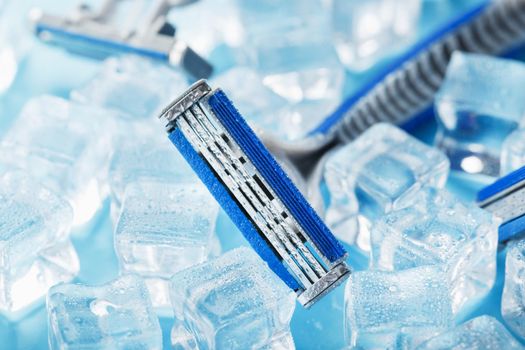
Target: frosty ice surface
[
  {"x": 396, "y": 310},
  {"x": 256, "y": 102},
  {"x": 15, "y": 40},
  {"x": 480, "y": 102},
  {"x": 35, "y": 251},
  {"x": 232, "y": 302},
  {"x": 132, "y": 86},
  {"x": 438, "y": 229},
  {"x": 209, "y": 25},
  {"x": 65, "y": 146},
  {"x": 117, "y": 315},
  {"x": 513, "y": 152},
  {"x": 513, "y": 299},
  {"x": 373, "y": 175},
  {"x": 139, "y": 154},
  {"x": 484, "y": 332},
  {"x": 366, "y": 30},
  {"x": 289, "y": 45},
  {"x": 164, "y": 227}
]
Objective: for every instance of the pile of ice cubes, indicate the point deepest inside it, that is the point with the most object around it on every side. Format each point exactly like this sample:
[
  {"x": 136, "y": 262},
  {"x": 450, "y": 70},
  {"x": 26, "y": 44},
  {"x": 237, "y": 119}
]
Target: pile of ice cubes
[
  {"x": 430, "y": 258},
  {"x": 61, "y": 161}
]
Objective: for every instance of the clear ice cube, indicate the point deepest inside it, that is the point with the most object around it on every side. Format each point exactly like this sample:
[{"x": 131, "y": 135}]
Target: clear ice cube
[
  {"x": 117, "y": 315},
  {"x": 289, "y": 45},
  {"x": 513, "y": 152},
  {"x": 366, "y": 31},
  {"x": 15, "y": 40},
  {"x": 483, "y": 332},
  {"x": 208, "y": 25},
  {"x": 262, "y": 107},
  {"x": 35, "y": 250},
  {"x": 142, "y": 154},
  {"x": 480, "y": 102},
  {"x": 164, "y": 227},
  {"x": 438, "y": 229},
  {"x": 65, "y": 146},
  {"x": 513, "y": 299},
  {"x": 232, "y": 302},
  {"x": 374, "y": 175},
  {"x": 133, "y": 87},
  {"x": 396, "y": 310}
]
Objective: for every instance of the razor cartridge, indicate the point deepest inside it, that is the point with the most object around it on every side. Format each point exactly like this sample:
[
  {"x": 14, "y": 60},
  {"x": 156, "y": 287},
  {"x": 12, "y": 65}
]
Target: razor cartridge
[
  {"x": 505, "y": 198},
  {"x": 144, "y": 31},
  {"x": 255, "y": 192}
]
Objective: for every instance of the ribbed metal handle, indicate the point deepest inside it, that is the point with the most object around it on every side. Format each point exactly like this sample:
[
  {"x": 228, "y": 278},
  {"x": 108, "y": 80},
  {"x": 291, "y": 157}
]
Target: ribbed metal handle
[{"x": 411, "y": 88}]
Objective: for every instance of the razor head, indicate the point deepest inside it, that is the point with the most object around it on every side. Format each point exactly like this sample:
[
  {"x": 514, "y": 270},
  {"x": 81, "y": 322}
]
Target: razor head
[
  {"x": 505, "y": 198},
  {"x": 95, "y": 35},
  {"x": 256, "y": 193}
]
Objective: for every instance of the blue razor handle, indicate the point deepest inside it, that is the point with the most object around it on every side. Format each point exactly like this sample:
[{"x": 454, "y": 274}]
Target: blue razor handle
[
  {"x": 256, "y": 193},
  {"x": 93, "y": 35},
  {"x": 402, "y": 93},
  {"x": 505, "y": 198}
]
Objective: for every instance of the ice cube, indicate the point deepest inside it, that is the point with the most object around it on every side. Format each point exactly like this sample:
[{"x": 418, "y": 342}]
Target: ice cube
[
  {"x": 261, "y": 106},
  {"x": 396, "y": 310},
  {"x": 117, "y": 315},
  {"x": 165, "y": 227},
  {"x": 144, "y": 154},
  {"x": 513, "y": 152},
  {"x": 483, "y": 332},
  {"x": 232, "y": 302},
  {"x": 513, "y": 300},
  {"x": 133, "y": 87},
  {"x": 366, "y": 31},
  {"x": 65, "y": 146},
  {"x": 375, "y": 174},
  {"x": 254, "y": 100},
  {"x": 438, "y": 229},
  {"x": 9, "y": 60},
  {"x": 289, "y": 45},
  {"x": 479, "y": 103},
  {"x": 208, "y": 25},
  {"x": 15, "y": 40},
  {"x": 35, "y": 251}
]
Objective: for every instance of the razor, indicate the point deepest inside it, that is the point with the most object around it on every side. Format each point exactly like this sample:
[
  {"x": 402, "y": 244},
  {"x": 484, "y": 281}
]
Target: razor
[
  {"x": 402, "y": 93},
  {"x": 505, "y": 198},
  {"x": 255, "y": 192},
  {"x": 95, "y": 34}
]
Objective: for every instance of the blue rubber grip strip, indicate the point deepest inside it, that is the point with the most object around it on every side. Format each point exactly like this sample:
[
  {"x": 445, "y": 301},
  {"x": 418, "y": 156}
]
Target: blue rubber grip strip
[
  {"x": 512, "y": 228},
  {"x": 223, "y": 196},
  {"x": 419, "y": 47},
  {"x": 270, "y": 170},
  {"x": 502, "y": 184},
  {"x": 108, "y": 44}
]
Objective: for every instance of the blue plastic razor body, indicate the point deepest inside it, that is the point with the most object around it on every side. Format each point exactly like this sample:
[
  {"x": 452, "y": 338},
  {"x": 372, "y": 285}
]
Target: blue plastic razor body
[
  {"x": 255, "y": 192},
  {"x": 94, "y": 35},
  {"x": 494, "y": 28},
  {"x": 96, "y": 47},
  {"x": 506, "y": 199}
]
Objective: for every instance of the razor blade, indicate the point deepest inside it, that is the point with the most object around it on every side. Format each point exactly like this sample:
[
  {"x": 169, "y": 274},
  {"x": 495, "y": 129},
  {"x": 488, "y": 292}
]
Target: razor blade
[
  {"x": 255, "y": 192},
  {"x": 505, "y": 198},
  {"x": 145, "y": 32}
]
